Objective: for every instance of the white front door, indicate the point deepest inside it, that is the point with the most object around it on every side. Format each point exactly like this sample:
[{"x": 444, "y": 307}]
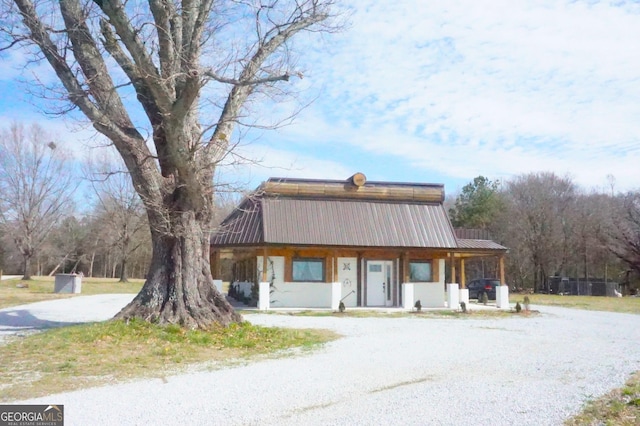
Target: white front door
[
  {"x": 379, "y": 283},
  {"x": 348, "y": 276}
]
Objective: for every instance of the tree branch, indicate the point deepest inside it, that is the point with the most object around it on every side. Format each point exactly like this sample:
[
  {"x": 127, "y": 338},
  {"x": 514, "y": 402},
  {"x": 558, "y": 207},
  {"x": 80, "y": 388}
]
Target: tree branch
[
  {"x": 244, "y": 87},
  {"x": 284, "y": 77},
  {"x": 115, "y": 10}
]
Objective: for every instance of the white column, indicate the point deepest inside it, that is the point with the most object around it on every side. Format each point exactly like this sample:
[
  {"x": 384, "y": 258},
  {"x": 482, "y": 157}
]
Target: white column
[
  {"x": 77, "y": 284},
  {"x": 336, "y": 292},
  {"x": 263, "y": 296},
  {"x": 464, "y": 296},
  {"x": 453, "y": 296},
  {"x": 502, "y": 297},
  {"x": 407, "y": 296}
]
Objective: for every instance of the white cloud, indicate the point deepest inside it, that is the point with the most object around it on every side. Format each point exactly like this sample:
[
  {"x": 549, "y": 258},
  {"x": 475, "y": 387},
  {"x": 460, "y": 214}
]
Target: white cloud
[
  {"x": 269, "y": 162},
  {"x": 465, "y": 88},
  {"x": 459, "y": 88},
  {"x": 76, "y": 138}
]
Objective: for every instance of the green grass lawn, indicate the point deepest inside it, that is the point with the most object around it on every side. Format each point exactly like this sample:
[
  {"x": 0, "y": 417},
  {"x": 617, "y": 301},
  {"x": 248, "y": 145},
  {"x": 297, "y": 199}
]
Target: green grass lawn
[
  {"x": 18, "y": 292},
  {"x": 93, "y": 354},
  {"x": 620, "y": 407},
  {"x": 630, "y": 305}
]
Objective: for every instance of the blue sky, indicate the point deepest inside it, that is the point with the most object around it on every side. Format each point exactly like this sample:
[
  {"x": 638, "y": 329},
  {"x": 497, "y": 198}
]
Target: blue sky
[{"x": 443, "y": 91}]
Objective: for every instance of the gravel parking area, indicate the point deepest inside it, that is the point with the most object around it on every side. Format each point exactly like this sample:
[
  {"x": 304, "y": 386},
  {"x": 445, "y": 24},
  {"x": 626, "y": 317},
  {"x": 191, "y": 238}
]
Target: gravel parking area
[{"x": 404, "y": 371}]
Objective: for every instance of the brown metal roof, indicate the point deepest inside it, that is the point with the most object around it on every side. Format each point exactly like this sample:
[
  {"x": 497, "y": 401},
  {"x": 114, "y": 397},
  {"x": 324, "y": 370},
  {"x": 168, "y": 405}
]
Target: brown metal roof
[
  {"x": 469, "y": 244},
  {"x": 333, "y": 222},
  {"x": 243, "y": 226},
  {"x": 472, "y": 233}
]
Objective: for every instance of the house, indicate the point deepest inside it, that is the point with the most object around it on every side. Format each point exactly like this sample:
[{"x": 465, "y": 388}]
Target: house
[{"x": 319, "y": 242}]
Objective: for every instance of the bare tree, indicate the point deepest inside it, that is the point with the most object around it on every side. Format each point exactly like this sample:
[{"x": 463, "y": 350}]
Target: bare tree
[
  {"x": 35, "y": 188},
  {"x": 158, "y": 47},
  {"x": 624, "y": 230},
  {"x": 65, "y": 245},
  {"x": 121, "y": 211},
  {"x": 535, "y": 223}
]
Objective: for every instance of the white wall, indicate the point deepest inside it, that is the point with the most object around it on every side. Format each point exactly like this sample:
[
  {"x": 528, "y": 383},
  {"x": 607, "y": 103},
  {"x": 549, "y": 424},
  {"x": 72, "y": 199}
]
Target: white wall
[
  {"x": 430, "y": 295},
  {"x": 293, "y": 295},
  {"x": 302, "y": 295},
  {"x": 275, "y": 269},
  {"x": 243, "y": 287},
  {"x": 348, "y": 277}
]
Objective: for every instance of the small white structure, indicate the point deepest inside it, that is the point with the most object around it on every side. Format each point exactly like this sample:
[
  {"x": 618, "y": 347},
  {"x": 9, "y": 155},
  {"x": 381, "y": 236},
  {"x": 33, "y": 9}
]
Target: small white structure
[{"x": 68, "y": 283}]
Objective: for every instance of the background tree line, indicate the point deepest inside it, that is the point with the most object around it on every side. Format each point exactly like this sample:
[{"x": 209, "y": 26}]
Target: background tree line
[
  {"x": 553, "y": 227},
  {"x": 56, "y": 217},
  {"x": 59, "y": 217}
]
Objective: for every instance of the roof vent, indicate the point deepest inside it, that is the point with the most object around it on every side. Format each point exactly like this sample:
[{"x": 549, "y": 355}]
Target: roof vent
[{"x": 359, "y": 179}]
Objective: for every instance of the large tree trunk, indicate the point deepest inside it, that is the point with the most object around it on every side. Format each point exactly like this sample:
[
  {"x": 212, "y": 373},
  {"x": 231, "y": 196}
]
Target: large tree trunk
[
  {"x": 27, "y": 266},
  {"x": 123, "y": 271},
  {"x": 179, "y": 287},
  {"x": 163, "y": 67}
]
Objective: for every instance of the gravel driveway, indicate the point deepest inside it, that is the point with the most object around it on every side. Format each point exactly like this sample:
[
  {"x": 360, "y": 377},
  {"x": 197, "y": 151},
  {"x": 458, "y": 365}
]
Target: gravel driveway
[{"x": 404, "y": 371}]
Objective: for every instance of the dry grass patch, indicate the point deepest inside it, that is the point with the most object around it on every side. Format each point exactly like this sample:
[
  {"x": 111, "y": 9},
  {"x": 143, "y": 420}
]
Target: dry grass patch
[
  {"x": 18, "y": 292},
  {"x": 620, "y": 407},
  {"x": 630, "y": 305},
  {"x": 76, "y": 357}
]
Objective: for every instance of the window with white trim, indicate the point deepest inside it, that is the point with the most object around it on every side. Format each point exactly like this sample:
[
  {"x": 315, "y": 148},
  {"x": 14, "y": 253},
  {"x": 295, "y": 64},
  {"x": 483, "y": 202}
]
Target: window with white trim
[
  {"x": 308, "y": 270},
  {"x": 420, "y": 271}
]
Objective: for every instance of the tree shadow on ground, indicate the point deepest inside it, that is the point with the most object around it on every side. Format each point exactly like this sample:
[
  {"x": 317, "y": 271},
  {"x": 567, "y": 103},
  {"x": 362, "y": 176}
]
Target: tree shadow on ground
[{"x": 23, "y": 319}]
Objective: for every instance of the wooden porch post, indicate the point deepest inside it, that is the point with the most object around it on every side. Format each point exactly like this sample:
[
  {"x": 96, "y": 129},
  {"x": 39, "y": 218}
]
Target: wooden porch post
[
  {"x": 334, "y": 278},
  {"x": 264, "y": 265},
  {"x": 453, "y": 268},
  {"x": 463, "y": 278},
  {"x": 404, "y": 260},
  {"x": 214, "y": 258},
  {"x": 501, "y": 262}
]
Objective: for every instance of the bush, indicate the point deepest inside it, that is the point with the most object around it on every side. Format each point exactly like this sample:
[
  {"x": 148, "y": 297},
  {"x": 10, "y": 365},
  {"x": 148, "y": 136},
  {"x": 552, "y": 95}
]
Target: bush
[
  {"x": 485, "y": 298},
  {"x": 518, "y": 307}
]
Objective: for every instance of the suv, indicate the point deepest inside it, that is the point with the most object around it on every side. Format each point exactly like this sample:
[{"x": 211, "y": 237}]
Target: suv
[{"x": 483, "y": 285}]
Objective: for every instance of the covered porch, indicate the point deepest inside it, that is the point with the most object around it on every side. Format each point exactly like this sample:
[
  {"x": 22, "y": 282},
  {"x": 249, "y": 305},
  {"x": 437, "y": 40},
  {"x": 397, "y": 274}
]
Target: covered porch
[{"x": 303, "y": 277}]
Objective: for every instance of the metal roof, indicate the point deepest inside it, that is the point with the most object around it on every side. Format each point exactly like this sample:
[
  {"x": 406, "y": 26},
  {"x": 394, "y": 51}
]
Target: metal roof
[
  {"x": 470, "y": 244},
  {"x": 332, "y": 222},
  {"x": 243, "y": 226}
]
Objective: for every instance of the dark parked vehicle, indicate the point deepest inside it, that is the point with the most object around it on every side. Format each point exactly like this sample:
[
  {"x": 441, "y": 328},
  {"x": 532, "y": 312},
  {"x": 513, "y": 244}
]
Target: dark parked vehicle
[{"x": 483, "y": 285}]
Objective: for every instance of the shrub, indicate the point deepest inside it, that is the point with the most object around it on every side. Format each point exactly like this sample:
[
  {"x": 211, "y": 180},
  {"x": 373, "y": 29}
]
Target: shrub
[
  {"x": 463, "y": 307},
  {"x": 526, "y": 303},
  {"x": 418, "y": 306},
  {"x": 518, "y": 307},
  {"x": 485, "y": 298}
]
